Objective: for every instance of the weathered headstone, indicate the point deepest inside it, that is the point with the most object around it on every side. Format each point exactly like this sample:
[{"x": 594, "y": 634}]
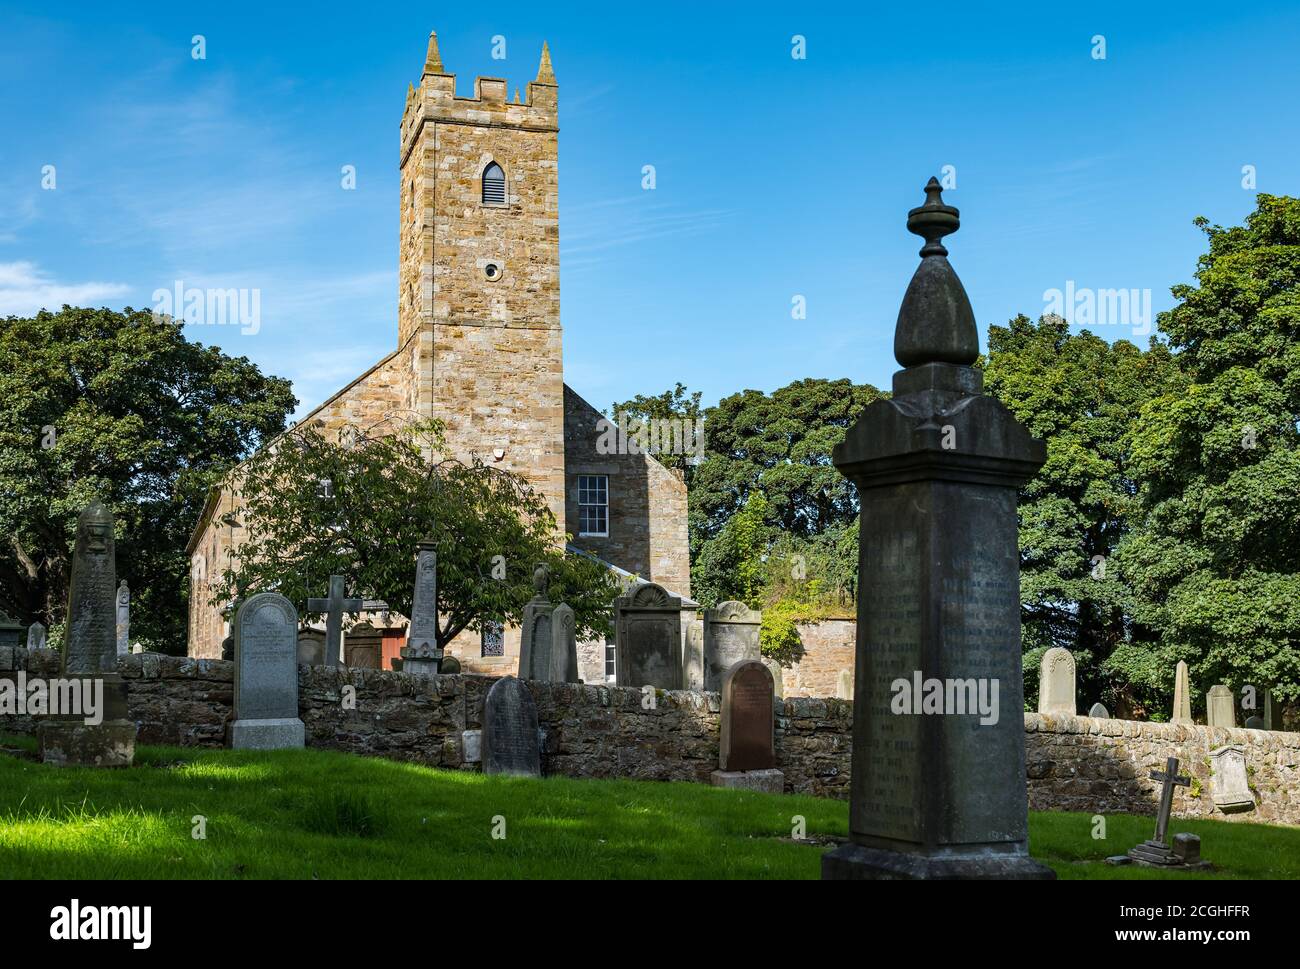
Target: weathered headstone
[
  {"x": 1056, "y": 683},
  {"x": 536, "y": 635},
  {"x": 334, "y": 606},
  {"x": 266, "y": 675},
  {"x": 449, "y": 665},
  {"x": 1229, "y": 780},
  {"x": 362, "y": 646},
  {"x": 1255, "y": 723},
  {"x": 648, "y": 628},
  {"x": 1157, "y": 851},
  {"x": 311, "y": 649},
  {"x": 937, "y": 468},
  {"x": 421, "y": 653},
  {"x": 1272, "y": 712},
  {"x": 693, "y": 656},
  {"x": 123, "y": 619},
  {"x": 90, "y": 654},
  {"x": 36, "y": 636},
  {"x": 509, "y": 742},
  {"x": 11, "y": 631},
  {"x": 1098, "y": 711},
  {"x": 844, "y": 685},
  {"x": 746, "y": 745},
  {"x": 730, "y": 635},
  {"x": 1220, "y": 709},
  {"x": 1182, "y": 695},
  {"x": 228, "y": 649}
]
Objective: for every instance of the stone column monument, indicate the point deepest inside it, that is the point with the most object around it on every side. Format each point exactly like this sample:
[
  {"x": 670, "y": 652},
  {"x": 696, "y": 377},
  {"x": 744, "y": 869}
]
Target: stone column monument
[
  {"x": 937, "y": 793},
  {"x": 421, "y": 653},
  {"x": 90, "y": 656}
]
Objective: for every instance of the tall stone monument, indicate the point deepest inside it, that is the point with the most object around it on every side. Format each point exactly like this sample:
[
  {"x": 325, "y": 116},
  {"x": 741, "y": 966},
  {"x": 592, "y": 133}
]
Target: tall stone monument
[
  {"x": 123, "y": 619},
  {"x": 937, "y": 469},
  {"x": 648, "y": 630},
  {"x": 1056, "y": 683},
  {"x": 1182, "y": 695},
  {"x": 266, "y": 675},
  {"x": 90, "y": 656},
  {"x": 730, "y": 635},
  {"x": 421, "y": 653}
]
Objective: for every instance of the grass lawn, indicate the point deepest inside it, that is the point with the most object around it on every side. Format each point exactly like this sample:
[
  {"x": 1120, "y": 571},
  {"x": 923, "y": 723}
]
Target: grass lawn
[{"x": 312, "y": 813}]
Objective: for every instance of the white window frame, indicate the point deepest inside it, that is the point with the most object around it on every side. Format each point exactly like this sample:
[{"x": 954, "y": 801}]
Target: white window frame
[{"x": 593, "y": 504}]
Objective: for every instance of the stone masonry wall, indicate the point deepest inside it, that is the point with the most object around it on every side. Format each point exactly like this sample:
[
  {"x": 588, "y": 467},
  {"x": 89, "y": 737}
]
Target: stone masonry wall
[
  {"x": 828, "y": 647},
  {"x": 1073, "y": 763}
]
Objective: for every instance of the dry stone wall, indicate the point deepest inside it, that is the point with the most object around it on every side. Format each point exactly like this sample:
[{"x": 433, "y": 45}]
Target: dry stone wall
[{"x": 589, "y": 731}]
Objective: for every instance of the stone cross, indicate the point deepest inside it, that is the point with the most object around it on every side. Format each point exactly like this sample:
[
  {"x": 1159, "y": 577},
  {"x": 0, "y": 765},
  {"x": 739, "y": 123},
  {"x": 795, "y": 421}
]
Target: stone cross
[
  {"x": 334, "y": 607},
  {"x": 123, "y": 619},
  {"x": 1170, "y": 778}
]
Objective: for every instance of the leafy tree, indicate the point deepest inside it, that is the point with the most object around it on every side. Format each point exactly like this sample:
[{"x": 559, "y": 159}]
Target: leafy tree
[
  {"x": 123, "y": 408},
  {"x": 672, "y": 405},
  {"x": 1080, "y": 394},
  {"x": 313, "y": 508},
  {"x": 779, "y": 444},
  {"x": 1216, "y": 565}
]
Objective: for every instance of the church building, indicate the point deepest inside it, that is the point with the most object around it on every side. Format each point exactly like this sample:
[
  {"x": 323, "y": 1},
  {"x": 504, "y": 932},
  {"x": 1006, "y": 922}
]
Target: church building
[{"x": 479, "y": 347}]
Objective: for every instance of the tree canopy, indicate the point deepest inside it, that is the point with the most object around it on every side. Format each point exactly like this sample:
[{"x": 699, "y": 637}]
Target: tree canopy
[{"x": 123, "y": 408}]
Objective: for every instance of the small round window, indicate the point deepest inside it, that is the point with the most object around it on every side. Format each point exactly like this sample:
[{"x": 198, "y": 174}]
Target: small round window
[{"x": 492, "y": 271}]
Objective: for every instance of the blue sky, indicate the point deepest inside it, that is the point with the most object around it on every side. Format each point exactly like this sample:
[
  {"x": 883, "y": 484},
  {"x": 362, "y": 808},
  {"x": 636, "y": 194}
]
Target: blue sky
[{"x": 775, "y": 177}]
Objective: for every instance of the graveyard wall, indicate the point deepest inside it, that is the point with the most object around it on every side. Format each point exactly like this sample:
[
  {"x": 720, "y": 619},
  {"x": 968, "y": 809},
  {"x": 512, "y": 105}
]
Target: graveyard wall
[
  {"x": 1073, "y": 763},
  {"x": 828, "y": 647}
]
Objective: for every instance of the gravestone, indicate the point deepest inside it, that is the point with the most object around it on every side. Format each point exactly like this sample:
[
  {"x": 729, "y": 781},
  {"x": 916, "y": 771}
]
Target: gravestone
[
  {"x": 334, "y": 606},
  {"x": 563, "y": 667},
  {"x": 363, "y": 646},
  {"x": 228, "y": 649},
  {"x": 421, "y": 653},
  {"x": 10, "y": 631},
  {"x": 747, "y": 745},
  {"x": 1157, "y": 852},
  {"x": 36, "y": 636},
  {"x": 693, "y": 656},
  {"x": 123, "y": 619},
  {"x": 1098, "y": 711},
  {"x": 1056, "y": 683},
  {"x": 937, "y": 469},
  {"x": 266, "y": 675},
  {"x": 1272, "y": 712},
  {"x": 730, "y": 635},
  {"x": 536, "y": 634},
  {"x": 311, "y": 649},
  {"x": 1182, "y": 695},
  {"x": 1220, "y": 710},
  {"x": 509, "y": 741},
  {"x": 448, "y": 666},
  {"x": 648, "y": 630},
  {"x": 778, "y": 677},
  {"x": 844, "y": 685},
  {"x": 1255, "y": 723},
  {"x": 90, "y": 654},
  {"x": 1230, "y": 781}
]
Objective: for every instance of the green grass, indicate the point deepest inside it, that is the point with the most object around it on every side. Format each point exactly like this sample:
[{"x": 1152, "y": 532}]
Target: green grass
[{"x": 319, "y": 814}]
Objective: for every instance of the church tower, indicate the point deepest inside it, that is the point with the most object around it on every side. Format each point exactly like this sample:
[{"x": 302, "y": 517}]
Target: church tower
[{"x": 479, "y": 269}]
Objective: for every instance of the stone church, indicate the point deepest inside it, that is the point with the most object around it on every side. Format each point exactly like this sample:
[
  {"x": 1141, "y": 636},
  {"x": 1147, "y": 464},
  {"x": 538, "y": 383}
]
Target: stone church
[{"x": 479, "y": 347}]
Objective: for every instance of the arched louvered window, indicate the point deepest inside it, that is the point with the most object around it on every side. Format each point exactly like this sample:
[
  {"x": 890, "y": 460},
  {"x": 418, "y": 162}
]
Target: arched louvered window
[{"x": 494, "y": 185}]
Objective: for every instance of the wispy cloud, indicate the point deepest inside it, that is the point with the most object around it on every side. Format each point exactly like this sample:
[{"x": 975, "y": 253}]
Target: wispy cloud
[{"x": 25, "y": 289}]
